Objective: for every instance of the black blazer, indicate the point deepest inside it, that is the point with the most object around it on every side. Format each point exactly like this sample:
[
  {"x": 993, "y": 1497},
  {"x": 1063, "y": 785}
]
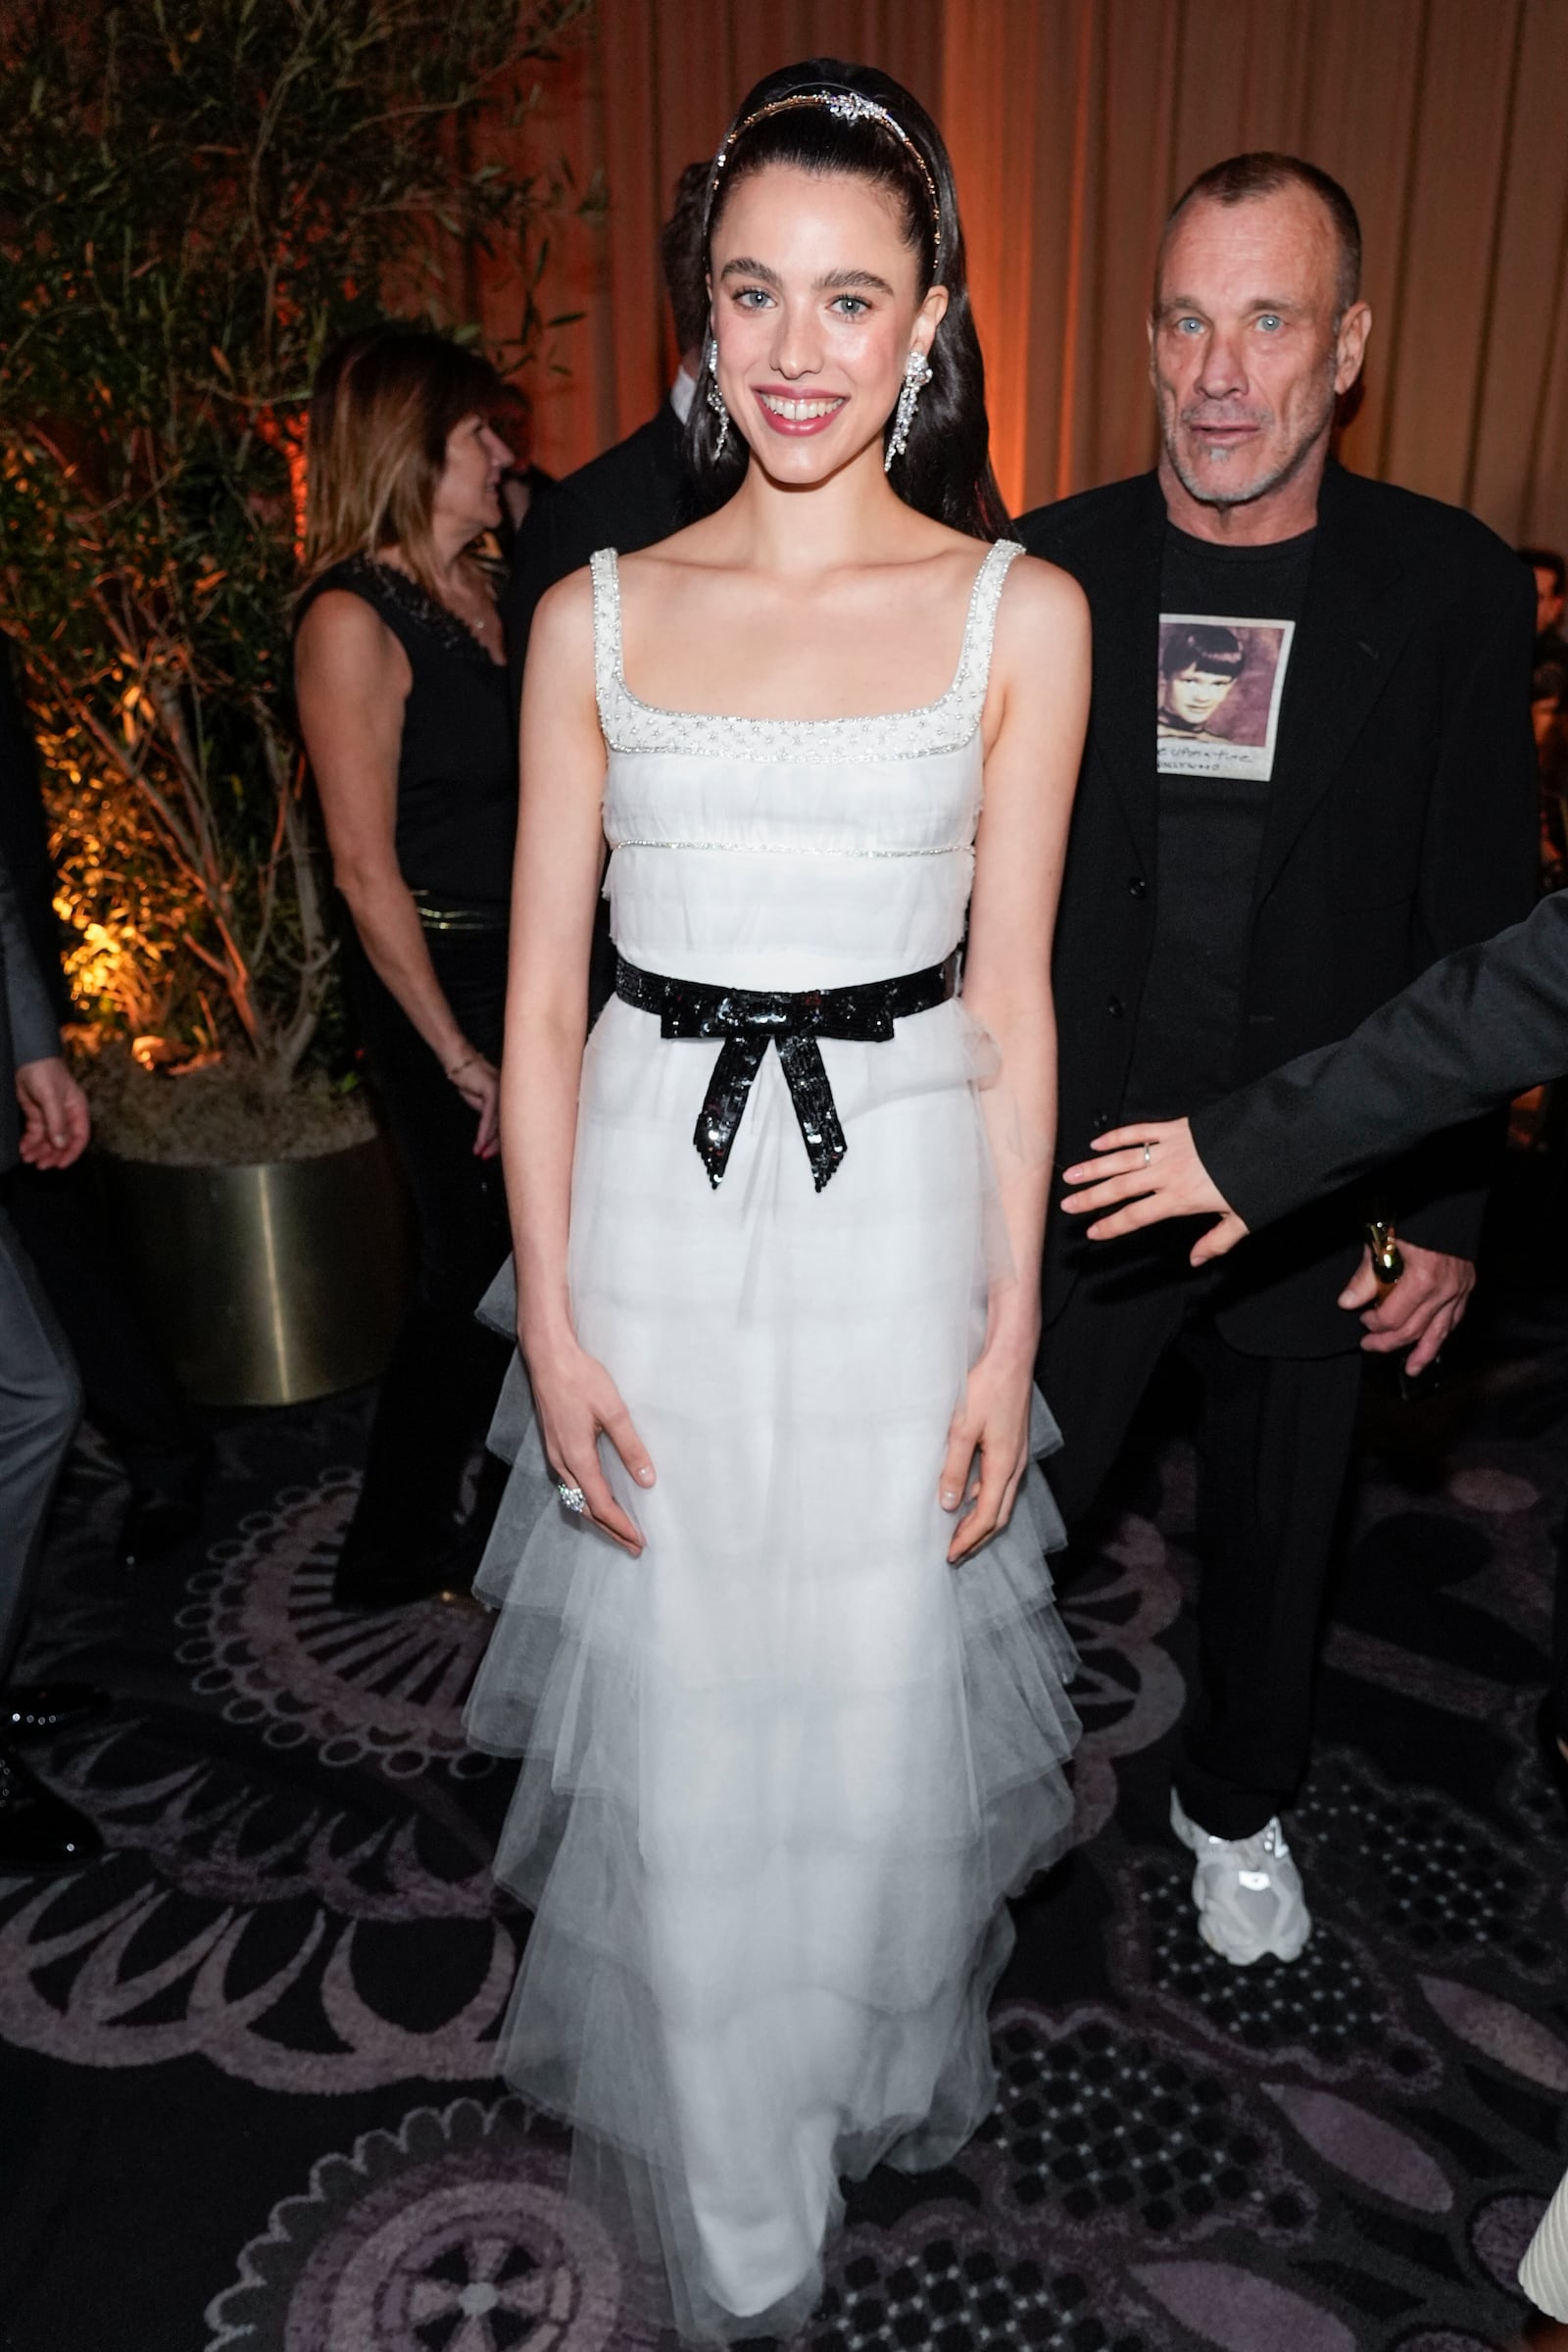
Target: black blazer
[
  {"x": 25, "y": 834},
  {"x": 1401, "y": 825},
  {"x": 1474, "y": 1030},
  {"x": 628, "y": 498}
]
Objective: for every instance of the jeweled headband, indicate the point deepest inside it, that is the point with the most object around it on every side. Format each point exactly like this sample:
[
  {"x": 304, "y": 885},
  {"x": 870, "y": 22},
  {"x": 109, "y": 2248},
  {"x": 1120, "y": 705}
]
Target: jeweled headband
[{"x": 850, "y": 107}]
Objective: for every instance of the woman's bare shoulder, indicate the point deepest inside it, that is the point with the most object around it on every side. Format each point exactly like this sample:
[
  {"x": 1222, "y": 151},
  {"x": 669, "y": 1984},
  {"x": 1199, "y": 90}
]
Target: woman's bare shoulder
[
  {"x": 559, "y": 673},
  {"x": 563, "y": 617},
  {"x": 342, "y": 632},
  {"x": 1043, "y": 616},
  {"x": 1044, "y": 591},
  {"x": 1041, "y": 657}
]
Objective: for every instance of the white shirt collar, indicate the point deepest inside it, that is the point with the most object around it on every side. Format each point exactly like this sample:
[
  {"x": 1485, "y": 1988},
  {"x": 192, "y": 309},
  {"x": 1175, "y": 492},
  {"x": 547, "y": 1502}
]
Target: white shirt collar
[{"x": 682, "y": 392}]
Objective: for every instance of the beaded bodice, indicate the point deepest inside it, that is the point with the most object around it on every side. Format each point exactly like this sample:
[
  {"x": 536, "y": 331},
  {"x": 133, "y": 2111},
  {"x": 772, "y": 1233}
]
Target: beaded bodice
[{"x": 790, "y": 854}]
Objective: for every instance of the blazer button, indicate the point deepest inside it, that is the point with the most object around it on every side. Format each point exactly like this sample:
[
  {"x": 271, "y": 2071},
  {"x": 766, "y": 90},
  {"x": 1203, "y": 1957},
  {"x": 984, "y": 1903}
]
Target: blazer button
[
  {"x": 1137, "y": 887},
  {"x": 1116, "y": 1008}
]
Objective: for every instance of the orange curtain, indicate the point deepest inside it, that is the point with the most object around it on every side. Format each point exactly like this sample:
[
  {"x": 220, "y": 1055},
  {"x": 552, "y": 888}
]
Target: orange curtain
[{"x": 1073, "y": 124}]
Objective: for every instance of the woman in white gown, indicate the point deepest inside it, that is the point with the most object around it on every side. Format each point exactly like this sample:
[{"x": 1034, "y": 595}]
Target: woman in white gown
[{"x": 776, "y": 1641}]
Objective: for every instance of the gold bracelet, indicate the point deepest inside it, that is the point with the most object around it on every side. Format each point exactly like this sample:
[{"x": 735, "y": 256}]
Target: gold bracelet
[{"x": 456, "y": 1070}]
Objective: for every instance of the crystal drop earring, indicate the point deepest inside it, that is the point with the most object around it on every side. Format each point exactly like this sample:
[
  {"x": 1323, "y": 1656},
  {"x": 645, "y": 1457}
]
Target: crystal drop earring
[
  {"x": 715, "y": 397},
  {"x": 917, "y": 373}
]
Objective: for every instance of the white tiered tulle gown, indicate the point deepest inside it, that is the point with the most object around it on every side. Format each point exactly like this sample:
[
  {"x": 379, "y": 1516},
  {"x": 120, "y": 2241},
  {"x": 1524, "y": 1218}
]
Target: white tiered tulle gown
[{"x": 782, "y": 1769}]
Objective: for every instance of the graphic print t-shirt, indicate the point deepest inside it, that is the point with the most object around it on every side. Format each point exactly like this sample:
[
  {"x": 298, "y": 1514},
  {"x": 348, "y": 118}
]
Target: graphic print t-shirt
[{"x": 1227, "y": 628}]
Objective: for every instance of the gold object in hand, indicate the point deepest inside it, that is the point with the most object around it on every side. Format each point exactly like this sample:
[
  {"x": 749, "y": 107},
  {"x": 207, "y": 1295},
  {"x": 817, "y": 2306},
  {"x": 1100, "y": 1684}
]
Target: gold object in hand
[{"x": 1387, "y": 1263}]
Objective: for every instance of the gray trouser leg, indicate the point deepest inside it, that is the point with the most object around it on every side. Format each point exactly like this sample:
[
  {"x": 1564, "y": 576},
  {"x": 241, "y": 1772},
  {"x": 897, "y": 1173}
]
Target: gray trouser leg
[{"x": 40, "y": 1404}]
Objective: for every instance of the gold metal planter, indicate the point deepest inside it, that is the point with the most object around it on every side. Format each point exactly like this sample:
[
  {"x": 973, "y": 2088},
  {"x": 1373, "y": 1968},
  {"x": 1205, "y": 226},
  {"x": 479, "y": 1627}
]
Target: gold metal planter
[{"x": 270, "y": 1283}]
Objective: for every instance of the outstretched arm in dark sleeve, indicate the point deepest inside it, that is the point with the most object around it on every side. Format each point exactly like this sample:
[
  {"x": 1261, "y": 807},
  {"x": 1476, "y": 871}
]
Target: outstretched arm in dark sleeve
[
  {"x": 1472, "y": 1032},
  {"x": 1478, "y": 871}
]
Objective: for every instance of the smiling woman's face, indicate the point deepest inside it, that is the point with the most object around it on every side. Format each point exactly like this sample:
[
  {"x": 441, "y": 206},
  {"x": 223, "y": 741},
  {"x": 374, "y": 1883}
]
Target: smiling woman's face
[{"x": 817, "y": 306}]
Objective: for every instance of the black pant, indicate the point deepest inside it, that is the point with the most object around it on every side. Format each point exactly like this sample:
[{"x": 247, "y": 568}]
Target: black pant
[
  {"x": 1273, "y": 1447},
  {"x": 130, "y": 1394},
  {"x": 440, "y": 1388},
  {"x": 1558, "y": 1688},
  {"x": 40, "y": 1404}
]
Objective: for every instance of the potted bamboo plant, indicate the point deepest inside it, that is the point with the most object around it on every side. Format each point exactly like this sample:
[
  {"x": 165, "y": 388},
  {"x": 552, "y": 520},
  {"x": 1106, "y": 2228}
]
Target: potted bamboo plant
[{"x": 195, "y": 196}]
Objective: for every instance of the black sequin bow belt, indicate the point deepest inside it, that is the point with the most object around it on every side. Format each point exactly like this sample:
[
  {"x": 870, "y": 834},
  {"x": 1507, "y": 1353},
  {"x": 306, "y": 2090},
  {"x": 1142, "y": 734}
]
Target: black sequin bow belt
[{"x": 750, "y": 1020}]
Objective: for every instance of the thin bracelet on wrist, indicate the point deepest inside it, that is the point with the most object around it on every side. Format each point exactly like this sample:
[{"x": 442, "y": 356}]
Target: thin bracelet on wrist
[{"x": 455, "y": 1069}]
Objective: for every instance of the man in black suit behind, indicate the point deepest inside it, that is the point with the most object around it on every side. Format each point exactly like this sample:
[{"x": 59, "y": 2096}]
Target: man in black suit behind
[
  {"x": 1308, "y": 774},
  {"x": 630, "y": 496}
]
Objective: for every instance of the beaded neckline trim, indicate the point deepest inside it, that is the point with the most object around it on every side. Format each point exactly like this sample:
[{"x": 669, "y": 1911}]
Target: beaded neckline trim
[
  {"x": 416, "y": 604},
  {"x": 632, "y": 725}
]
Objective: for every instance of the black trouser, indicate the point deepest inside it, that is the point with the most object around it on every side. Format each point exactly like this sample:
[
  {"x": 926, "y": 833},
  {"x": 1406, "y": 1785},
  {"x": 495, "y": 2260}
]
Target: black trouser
[
  {"x": 1273, "y": 1445},
  {"x": 130, "y": 1395},
  {"x": 440, "y": 1388},
  {"x": 40, "y": 1404},
  {"x": 1558, "y": 1688}
]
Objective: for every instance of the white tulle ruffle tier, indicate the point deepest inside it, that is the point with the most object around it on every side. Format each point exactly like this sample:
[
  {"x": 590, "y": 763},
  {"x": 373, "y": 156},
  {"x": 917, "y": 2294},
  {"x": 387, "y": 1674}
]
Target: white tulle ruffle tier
[{"x": 766, "y": 1826}]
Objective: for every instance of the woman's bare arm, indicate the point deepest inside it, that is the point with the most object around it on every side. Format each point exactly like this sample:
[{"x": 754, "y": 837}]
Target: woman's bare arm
[
  {"x": 554, "y": 889},
  {"x": 1037, "y": 712},
  {"x": 352, "y": 679}
]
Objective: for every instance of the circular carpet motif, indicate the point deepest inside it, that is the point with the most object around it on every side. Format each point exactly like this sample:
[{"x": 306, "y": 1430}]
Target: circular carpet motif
[
  {"x": 454, "y": 2234},
  {"x": 262, "y": 1634}
]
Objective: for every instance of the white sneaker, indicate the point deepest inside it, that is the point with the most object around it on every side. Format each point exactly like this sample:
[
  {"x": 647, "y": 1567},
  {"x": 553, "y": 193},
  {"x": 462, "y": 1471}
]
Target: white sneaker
[{"x": 1248, "y": 1891}]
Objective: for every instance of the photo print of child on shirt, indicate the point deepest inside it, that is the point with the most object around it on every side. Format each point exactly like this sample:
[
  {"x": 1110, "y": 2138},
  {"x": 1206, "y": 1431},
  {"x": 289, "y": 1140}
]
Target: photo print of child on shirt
[{"x": 1221, "y": 683}]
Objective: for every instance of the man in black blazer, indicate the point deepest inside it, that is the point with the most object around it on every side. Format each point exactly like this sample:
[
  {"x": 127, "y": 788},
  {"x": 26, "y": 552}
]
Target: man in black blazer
[
  {"x": 1308, "y": 774},
  {"x": 630, "y": 496}
]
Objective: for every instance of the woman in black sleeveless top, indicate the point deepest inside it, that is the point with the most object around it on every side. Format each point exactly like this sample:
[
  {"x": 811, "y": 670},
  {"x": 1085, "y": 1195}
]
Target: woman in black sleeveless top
[{"x": 400, "y": 668}]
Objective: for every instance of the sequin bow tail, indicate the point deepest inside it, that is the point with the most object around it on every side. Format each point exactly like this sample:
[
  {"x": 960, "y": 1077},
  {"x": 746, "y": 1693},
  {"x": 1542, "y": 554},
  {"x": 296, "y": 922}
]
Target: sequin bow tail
[{"x": 806, "y": 1076}]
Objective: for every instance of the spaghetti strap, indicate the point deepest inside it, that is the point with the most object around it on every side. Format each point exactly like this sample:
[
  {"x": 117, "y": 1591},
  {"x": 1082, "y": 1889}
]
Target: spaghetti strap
[
  {"x": 610, "y": 683},
  {"x": 980, "y": 625}
]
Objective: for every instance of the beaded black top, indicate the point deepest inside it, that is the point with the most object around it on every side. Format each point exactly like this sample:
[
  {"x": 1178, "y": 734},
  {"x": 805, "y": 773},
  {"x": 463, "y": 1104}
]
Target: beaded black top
[{"x": 457, "y": 806}]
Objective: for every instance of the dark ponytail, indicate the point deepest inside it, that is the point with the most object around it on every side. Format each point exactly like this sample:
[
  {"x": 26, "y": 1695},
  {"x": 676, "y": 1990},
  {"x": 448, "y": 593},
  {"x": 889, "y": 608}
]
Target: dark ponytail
[{"x": 945, "y": 471}]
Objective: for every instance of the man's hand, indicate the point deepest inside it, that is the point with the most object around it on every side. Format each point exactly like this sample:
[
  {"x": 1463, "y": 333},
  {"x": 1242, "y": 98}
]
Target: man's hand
[
  {"x": 56, "y": 1121},
  {"x": 1155, "y": 1170},
  {"x": 1423, "y": 1309}
]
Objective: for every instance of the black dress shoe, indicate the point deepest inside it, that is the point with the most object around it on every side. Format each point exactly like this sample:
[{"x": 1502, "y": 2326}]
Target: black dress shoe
[
  {"x": 370, "y": 1578},
  {"x": 33, "y": 1710},
  {"x": 40, "y": 1835},
  {"x": 155, "y": 1525}
]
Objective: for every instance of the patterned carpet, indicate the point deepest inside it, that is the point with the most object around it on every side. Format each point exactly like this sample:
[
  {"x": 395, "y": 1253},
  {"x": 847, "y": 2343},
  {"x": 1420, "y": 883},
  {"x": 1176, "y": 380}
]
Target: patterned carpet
[{"x": 245, "y": 2060}]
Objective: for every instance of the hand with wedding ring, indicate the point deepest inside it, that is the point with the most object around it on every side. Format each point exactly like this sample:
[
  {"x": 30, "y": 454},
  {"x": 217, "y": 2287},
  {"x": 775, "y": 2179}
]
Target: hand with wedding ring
[
  {"x": 577, "y": 1403},
  {"x": 1145, "y": 1174}
]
